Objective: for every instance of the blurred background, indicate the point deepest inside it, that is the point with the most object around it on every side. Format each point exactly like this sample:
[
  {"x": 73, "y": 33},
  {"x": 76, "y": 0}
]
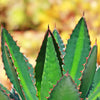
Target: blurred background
[{"x": 27, "y": 21}]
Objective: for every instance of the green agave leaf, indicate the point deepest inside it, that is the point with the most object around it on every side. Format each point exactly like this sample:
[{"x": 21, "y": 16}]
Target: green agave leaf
[
  {"x": 30, "y": 70},
  {"x": 40, "y": 64},
  {"x": 10, "y": 69},
  {"x": 77, "y": 49},
  {"x": 3, "y": 96},
  {"x": 41, "y": 60},
  {"x": 52, "y": 71},
  {"x": 21, "y": 67},
  {"x": 89, "y": 90},
  {"x": 89, "y": 72},
  {"x": 2, "y": 88},
  {"x": 58, "y": 52},
  {"x": 4, "y": 93},
  {"x": 59, "y": 41},
  {"x": 7, "y": 93},
  {"x": 65, "y": 90},
  {"x": 95, "y": 92}
]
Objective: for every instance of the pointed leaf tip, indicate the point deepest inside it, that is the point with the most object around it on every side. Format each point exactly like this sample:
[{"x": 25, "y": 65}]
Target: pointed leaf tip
[
  {"x": 78, "y": 48},
  {"x": 48, "y": 26},
  {"x": 83, "y": 14}
]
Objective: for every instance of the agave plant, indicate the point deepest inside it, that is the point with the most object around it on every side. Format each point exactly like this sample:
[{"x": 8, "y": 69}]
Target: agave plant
[{"x": 60, "y": 73}]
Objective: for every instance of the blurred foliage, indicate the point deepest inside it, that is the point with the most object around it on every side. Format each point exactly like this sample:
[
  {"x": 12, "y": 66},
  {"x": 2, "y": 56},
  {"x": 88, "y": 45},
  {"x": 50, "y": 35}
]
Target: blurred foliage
[
  {"x": 23, "y": 16},
  {"x": 37, "y": 14}
]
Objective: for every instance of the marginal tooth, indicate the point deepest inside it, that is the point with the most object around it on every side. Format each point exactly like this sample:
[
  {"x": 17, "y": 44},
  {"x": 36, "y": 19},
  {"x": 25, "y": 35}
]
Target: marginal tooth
[
  {"x": 19, "y": 79},
  {"x": 54, "y": 85},
  {"x": 29, "y": 67},
  {"x": 78, "y": 87},
  {"x": 49, "y": 92},
  {"x": 75, "y": 84},
  {"x": 5, "y": 44},
  {"x": 83, "y": 65},
  {"x": 26, "y": 60},
  {"x": 66, "y": 74},
  {"x": 79, "y": 79},
  {"x": 15, "y": 68},
  {"x": 51, "y": 89},
  {"x": 81, "y": 71},
  {"x": 17, "y": 73},
  {"x": 47, "y": 97},
  {"x": 8, "y": 95},
  {"x": 30, "y": 75},
  {"x": 86, "y": 58}
]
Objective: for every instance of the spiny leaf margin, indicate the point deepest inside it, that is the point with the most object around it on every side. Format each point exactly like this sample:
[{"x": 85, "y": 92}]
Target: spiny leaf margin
[
  {"x": 89, "y": 72},
  {"x": 77, "y": 49},
  {"x": 51, "y": 64},
  {"x": 64, "y": 89},
  {"x": 21, "y": 66}
]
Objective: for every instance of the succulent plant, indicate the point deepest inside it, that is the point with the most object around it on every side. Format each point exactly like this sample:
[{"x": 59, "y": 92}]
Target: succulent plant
[{"x": 60, "y": 73}]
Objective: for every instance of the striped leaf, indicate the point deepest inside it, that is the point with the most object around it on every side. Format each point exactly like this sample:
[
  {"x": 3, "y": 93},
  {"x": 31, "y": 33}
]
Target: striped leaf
[
  {"x": 89, "y": 72},
  {"x": 20, "y": 65},
  {"x": 77, "y": 50},
  {"x": 95, "y": 92},
  {"x": 10, "y": 69}
]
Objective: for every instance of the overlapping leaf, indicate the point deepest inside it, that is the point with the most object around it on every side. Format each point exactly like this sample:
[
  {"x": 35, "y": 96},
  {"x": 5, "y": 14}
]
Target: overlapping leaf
[
  {"x": 30, "y": 70},
  {"x": 95, "y": 92},
  {"x": 10, "y": 69},
  {"x": 77, "y": 49},
  {"x": 52, "y": 71},
  {"x": 59, "y": 41},
  {"x": 64, "y": 90},
  {"x": 21, "y": 67},
  {"x": 5, "y": 93},
  {"x": 40, "y": 64},
  {"x": 41, "y": 59},
  {"x": 89, "y": 72},
  {"x": 3, "y": 96}
]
